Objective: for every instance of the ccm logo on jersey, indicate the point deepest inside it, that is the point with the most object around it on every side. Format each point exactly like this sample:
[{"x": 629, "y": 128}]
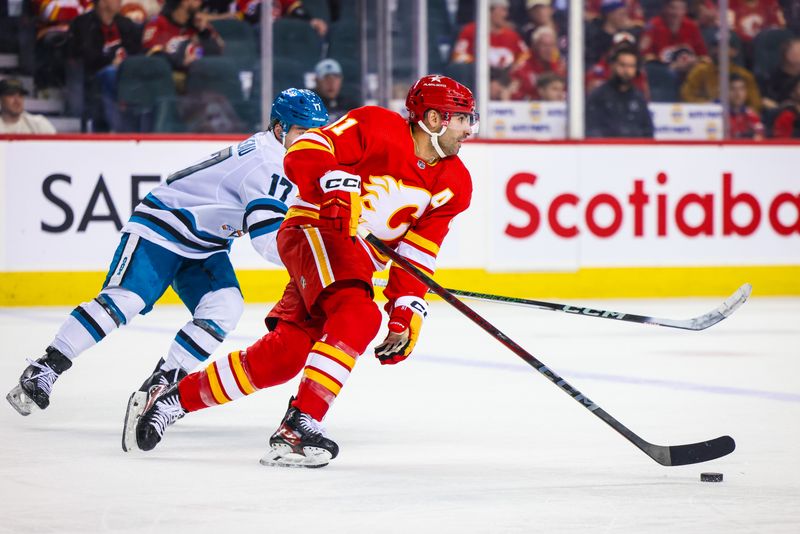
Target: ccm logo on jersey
[{"x": 340, "y": 181}]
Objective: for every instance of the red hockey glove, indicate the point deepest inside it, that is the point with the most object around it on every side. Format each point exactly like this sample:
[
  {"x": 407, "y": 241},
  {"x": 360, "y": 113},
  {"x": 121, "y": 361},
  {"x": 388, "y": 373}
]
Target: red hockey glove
[
  {"x": 405, "y": 323},
  {"x": 341, "y": 201}
]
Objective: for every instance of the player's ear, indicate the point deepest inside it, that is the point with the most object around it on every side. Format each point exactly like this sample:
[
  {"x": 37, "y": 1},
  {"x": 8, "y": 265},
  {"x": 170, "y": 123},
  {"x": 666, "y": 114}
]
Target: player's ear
[{"x": 433, "y": 119}]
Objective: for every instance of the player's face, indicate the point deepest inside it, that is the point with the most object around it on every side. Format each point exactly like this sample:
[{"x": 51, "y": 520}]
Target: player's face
[
  {"x": 193, "y": 6},
  {"x": 12, "y": 105},
  {"x": 738, "y": 92},
  {"x": 294, "y": 132},
  {"x": 329, "y": 86},
  {"x": 675, "y": 10},
  {"x": 457, "y": 131},
  {"x": 546, "y": 46},
  {"x": 553, "y": 92},
  {"x": 498, "y": 15},
  {"x": 625, "y": 67}
]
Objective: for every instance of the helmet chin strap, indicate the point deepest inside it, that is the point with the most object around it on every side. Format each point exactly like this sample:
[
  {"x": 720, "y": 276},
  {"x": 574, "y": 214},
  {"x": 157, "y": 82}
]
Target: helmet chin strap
[
  {"x": 434, "y": 137},
  {"x": 283, "y": 136}
]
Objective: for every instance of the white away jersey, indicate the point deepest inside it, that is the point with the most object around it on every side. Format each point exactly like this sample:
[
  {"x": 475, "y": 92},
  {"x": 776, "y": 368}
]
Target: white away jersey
[{"x": 202, "y": 208}]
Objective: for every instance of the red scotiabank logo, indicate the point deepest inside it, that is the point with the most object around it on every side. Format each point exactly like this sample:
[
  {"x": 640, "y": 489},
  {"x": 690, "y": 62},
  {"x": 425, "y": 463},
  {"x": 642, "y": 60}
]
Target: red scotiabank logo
[{"x": 639, "y": 202}]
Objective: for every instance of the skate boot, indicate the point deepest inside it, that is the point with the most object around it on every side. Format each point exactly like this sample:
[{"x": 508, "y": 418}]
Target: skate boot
[
  {"x": 300, "y": 441},
  {"x": 138, "y": 399},
  {"x": 37, "y": 381},
  {"x": 162, "y": 408}
]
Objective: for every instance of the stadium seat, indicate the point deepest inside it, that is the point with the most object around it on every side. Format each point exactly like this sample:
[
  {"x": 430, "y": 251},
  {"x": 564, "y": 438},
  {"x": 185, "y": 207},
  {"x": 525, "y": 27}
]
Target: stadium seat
[
  {"x": 766, "y": 51},
  {"x": 344, "y": 40},
  {"x": 461, "y": 72},
  {"x": 319, "y": 9},
  {"x": 296, "y": 40},
  {"x": 240, "y": 42},
  {"x": 216, "y": 75},
  {"x": 441, "y": 35},
  {"x": 146, "y": 95},
  {"x": 288, "y": 73},
  {"x": 663, "y": 84}
]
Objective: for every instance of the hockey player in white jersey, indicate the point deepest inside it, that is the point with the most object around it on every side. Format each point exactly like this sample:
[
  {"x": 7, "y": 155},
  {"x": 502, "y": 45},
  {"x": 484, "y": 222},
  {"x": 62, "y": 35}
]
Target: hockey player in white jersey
[{"x": 180, "y": 235}]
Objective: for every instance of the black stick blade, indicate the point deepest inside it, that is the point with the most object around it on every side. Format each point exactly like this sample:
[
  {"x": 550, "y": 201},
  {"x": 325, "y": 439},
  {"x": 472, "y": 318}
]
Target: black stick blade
[{"x": 705, "y": 451}]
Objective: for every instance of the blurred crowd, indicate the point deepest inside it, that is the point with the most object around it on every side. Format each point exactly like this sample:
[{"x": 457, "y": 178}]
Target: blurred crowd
[{"x": 192, "y": 65}]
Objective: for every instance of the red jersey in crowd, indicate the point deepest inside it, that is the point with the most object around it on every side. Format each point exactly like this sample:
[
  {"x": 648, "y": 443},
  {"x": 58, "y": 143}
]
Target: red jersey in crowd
[
  {"x": 745, "y": 124},
  {"x": 55, "y": 15},
  {"x": 506, "y": 47},
  {"x": 163, "y": 35},
  {"x": 787, "y": 123},
  {"x": 529, "y": 72},
  {"x": 407, "y": 203},
  {"x": 752, "y": 16},
  {"x": 250, "y": 9},
  {"x": 659, "y": 43}
]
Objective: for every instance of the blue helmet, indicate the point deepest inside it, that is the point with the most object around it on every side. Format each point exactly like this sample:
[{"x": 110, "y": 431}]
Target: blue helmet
[{"x": 298, "y": 106}]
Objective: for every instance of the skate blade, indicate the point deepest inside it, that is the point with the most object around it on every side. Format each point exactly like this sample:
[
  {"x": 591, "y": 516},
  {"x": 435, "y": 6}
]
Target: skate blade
[
  {"x": 20, "y": 401},
  {"x": 136, "y": 404},
  {"x": 283, "y": 456}
]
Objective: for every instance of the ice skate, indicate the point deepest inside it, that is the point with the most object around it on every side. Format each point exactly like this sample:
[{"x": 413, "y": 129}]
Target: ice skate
[
  {"x": 300, "y": 441},
  {"x": 137, "y": 403},
  {"x": 161, "y": 409},
  {"x": 37, "y": 381}
]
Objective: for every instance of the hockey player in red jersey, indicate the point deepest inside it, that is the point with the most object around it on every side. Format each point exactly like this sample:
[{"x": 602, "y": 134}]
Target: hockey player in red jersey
[{"x": 403, "y": 181}]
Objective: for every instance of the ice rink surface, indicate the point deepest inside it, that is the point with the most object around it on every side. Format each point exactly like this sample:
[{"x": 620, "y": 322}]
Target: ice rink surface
[{"x": 463, "y": 437}]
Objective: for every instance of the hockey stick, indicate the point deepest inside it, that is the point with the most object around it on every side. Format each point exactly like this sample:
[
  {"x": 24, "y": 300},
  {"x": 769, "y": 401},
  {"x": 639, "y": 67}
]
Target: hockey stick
[
  {"x": 701, "y": 322},
  {"x": 665, "y": 455}
]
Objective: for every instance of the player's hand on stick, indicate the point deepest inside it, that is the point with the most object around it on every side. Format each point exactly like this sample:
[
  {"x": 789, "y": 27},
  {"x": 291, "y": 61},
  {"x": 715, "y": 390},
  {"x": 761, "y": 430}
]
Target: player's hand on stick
[
  {"x": 341, "y": 201},
  {"x": 405, "y": 322}
]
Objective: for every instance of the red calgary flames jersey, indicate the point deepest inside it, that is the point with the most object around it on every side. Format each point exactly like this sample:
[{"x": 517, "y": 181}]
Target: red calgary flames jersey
[{"x": 407, "y": 203}]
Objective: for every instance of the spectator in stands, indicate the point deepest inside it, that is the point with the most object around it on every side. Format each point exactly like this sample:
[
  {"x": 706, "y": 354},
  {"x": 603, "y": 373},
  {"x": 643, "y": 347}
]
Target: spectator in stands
[
  {"x": 501, "y": 85},
  {"x": 506, "y": 48},
  {"x": 551, "y": 87},
  {"x": 633, "y": 11},
  {"x": 745, "y": 123},
  {"x": 778, "y": 87},
  {"x": 545, "y": 57},
  {"x": 617, "y": 108},
  {"x": 540, "y": 13},
  {"x": 151, "y": 8},
  {"x": 674, "y": 39},
  {"x": 52, "y": 23},
  {"x": 702, "y": 82},
  {"x": 601, "y": 71},
  {"x": 101, "y": 39},
  {"x": 250, "y": 10},
  {"x": 791, "y": 11},
  {"x": 787, "y": 123},
  {"x": 752, "y": 16},
  {"x": 13, "y": 117},
  {"x": 182, "y": 34},
  {"x": 135, "y": 12},
  {"x": 601, "y": 31},
  {"x": 704, "y": 12},
  {"x": 329, "y": 78}
]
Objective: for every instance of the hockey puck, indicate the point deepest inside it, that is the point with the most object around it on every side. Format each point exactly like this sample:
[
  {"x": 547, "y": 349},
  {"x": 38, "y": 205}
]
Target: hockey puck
[{"x": 711, "y": 477}]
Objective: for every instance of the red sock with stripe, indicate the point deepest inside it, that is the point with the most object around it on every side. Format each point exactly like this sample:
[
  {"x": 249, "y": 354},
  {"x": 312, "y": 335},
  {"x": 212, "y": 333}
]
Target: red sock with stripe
[
  {"x": 274, "y": 359},
  {"x": 353, "y": 320}
]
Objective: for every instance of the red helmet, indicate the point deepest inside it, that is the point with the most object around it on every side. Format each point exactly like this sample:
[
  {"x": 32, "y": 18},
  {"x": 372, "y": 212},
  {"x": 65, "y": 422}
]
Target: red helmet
[{"x": 441, "y": 93}]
